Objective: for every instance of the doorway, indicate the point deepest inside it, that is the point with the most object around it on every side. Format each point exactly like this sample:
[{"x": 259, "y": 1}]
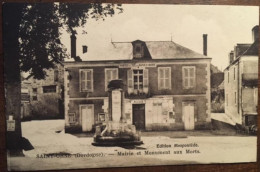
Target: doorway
[
  {"x": 87, "y": 117},
  {"x": 139, "y": 116},
  {"x": 188, "y": 115}
]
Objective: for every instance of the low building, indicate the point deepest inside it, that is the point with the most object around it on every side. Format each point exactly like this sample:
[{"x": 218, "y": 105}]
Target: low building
[
  {"x": 43, "y": 99},
  {"x": 241, "y": 83},
  {"x": 167, "y": 87}
]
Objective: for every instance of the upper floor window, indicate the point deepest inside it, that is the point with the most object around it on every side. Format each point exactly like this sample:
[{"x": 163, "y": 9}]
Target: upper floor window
[
  {"x": 137, "y": 80},
  {"x": 188, "y": 76},
  {"x": 110, "y": 74},
  {"x": 235, "y": 96},
  {"x": 49, "y": 89},
  {"x": 234, "y": 73},
  {"x": 86, "y": 80},
  {"x": 164, "y": 78},
  {"x": 228, "y": 77},
  {"x": 56, "y": 75},
  {"x": 138, "y": 50}
]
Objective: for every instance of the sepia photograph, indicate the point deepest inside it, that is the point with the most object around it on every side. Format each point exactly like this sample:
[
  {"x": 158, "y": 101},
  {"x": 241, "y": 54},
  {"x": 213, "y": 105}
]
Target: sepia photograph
[{"x": 100, "y": 85}]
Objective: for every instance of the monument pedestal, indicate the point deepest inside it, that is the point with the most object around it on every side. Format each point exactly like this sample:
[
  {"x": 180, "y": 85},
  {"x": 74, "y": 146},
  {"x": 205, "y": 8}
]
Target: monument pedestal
[{"x": 115, "y": 131}]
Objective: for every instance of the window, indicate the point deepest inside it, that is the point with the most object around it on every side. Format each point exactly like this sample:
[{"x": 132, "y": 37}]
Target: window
[
  {"x": 72, "y": 118},
  {"x": 49, "y": 89},
  {"x": 138, "y": 50},
  {"x": 86, "y": 80},
  {"x": 137, "y": 81},
  {"x": 188, "y": 76},
  {"x": 110, "y": 74},
  {"x": 34, "y": 90},
  {"x": 256, "y": 96},
  {"x": 235, "y": 95},
  {"x": 34, "y": 98},
  {"x": 228, "y": 77},
  {"x": 164, "y": 78},
  {"x": 56, "y": 75},
  {"x": 234, "y": 73}
]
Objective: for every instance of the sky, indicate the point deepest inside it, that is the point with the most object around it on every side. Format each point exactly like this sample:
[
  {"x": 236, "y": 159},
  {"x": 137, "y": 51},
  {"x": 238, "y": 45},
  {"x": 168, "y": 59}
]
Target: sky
[{"x": 183, "y": 24}]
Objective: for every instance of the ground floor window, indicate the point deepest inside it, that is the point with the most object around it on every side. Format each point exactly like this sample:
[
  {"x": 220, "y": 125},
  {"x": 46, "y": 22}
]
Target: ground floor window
[
  {"x": 49, "y": 89},
  {"x": 72, "y": 118}
]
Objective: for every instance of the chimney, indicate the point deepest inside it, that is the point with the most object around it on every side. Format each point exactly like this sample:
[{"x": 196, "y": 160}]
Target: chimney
[
  {"x": 255, "y": 33},
  {"x": 84, "y": 49},
  {"x": 231, "y": 57},
  {"x": 205, "y": 44},
  {"x": 73, "y": 39}
]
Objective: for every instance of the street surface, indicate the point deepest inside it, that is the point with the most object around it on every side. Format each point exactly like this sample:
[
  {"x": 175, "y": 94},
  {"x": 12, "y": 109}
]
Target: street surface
[{"x": 55, "y": 149}]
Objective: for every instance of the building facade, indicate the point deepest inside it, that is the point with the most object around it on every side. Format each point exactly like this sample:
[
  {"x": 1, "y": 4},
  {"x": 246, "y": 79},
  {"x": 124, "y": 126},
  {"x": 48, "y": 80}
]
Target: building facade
[
  {"x": 167, "y": 87},
  {"x": 43, "y": 99},
  {"x": 241, "y": 83}
]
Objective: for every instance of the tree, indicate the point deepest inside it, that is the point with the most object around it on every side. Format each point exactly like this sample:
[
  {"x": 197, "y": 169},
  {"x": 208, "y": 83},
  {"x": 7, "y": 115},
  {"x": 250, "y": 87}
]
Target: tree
[{"x": 32, "y": 44}]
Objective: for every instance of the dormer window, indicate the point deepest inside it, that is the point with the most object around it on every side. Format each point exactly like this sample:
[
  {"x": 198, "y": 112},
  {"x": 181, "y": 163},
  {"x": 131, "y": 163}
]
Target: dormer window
[{"x": 138, "y": 50}]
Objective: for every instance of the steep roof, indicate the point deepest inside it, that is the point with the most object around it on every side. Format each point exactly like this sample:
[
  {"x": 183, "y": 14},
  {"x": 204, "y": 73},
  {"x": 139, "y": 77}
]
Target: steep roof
[
  {"x": 157, "y": 50},
  {"x": 252, "y": 50}
]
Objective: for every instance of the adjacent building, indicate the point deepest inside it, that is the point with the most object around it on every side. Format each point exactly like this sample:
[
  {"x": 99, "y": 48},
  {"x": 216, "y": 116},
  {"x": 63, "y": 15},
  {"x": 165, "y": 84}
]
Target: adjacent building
[
  {"x": 241, "y": 82},
  {"x": 167, "y": 86},
  {"x": 43, "y": 99}
]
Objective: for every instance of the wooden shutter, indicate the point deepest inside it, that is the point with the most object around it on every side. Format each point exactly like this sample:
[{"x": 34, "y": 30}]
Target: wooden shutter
[
  {"x": 192, "y": 76},
  {"x": 146, "y": 80},
  {"x": 89, "y": 80},
  {"x": 167, "y": 78},
  {"x": 130, "y": 81},
  {"x": 185, "y": 77},
  {"x": 82, "y": 80},
  {"x": 160, "y": 79}
]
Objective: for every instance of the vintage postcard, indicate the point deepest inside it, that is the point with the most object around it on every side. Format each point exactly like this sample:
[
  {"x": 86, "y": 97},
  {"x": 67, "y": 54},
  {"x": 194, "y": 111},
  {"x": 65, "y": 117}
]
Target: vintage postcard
[{"x": 121, "y": 85}]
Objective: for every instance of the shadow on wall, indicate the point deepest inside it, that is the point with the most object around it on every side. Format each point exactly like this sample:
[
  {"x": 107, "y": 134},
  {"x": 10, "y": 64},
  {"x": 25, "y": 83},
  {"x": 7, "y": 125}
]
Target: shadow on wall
[{"x": 47, "y": 107}]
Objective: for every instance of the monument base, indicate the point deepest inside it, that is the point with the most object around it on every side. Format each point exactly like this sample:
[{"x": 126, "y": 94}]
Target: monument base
[{"x": 116, "y": 134}]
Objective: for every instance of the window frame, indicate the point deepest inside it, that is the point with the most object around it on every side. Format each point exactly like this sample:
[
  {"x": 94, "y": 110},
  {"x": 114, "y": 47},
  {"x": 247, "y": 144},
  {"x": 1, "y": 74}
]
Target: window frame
[
  {"x": 138, "y": 79},
  {"x": 74, "y": 118},
  {"x": 189, "y": 86},
  {"x": 49, "y": 89},
  {"x": 111, "y": 69},
  {"x": 164, "y": 78},
  {"x": 91, "y": 81},
  {"x": 138, "y": 54}
]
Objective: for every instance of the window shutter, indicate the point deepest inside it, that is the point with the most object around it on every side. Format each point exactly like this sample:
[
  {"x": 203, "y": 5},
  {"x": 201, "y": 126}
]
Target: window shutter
[
  {"x": 130, "y": 81},
  {"x": 167, "y": 78},
  {"x": 160, "y": 79},
  {"x": 82, "y": 79},
  {"x": 115, "y": 75},
  {"x": 184, "y": 79},
  {"x": 90, "y": 81},
  {"x": 145, "y": 80}
]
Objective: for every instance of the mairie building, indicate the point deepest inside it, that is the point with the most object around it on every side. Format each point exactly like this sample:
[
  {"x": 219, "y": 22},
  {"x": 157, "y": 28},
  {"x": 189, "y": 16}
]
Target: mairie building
[{"x": 167, "y": 86}]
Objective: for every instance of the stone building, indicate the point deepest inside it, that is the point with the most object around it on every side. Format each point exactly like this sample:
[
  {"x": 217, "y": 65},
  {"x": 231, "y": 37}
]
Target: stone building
[
  {"x": 167, "y": 86},
  {"x": 241, "y": 82},
  {"x": 44, "y": 97}
]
